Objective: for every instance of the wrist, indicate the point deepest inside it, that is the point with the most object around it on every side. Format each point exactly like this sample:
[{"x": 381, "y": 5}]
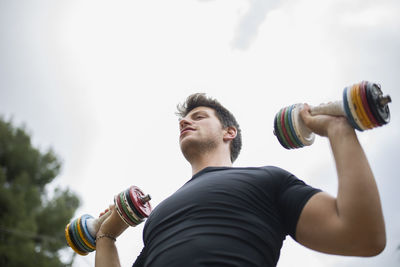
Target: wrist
[
  {"x": 105, "y": 236},
  {"x": 339, "y": 129}
]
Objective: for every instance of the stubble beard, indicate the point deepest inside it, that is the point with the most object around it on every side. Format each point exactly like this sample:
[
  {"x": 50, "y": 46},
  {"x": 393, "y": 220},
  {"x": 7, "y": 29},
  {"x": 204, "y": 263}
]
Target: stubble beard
[{"x": 196, "y": 148}]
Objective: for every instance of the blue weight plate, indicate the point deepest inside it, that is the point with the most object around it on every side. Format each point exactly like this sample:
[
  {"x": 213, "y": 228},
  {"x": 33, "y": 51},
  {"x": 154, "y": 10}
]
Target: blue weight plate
[
  {"x": 347, "y": 110},
  {"x": 89, "y": 237}
]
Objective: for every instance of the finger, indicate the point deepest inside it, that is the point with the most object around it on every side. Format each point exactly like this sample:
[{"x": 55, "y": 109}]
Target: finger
[
  {"x": 103, "y": 212},
  {"x": 305, "y": 113},
  {"x": 104, "y": 216}
]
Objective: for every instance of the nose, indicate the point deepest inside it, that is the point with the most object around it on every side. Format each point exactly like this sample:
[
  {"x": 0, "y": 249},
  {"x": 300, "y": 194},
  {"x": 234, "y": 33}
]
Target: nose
[{"x": 183, "y": 123}]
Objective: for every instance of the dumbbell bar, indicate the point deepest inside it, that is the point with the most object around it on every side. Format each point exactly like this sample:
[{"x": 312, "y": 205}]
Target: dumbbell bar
[
  {"x": 363, "y": 104},
  {"x": 131, "y": 205}
]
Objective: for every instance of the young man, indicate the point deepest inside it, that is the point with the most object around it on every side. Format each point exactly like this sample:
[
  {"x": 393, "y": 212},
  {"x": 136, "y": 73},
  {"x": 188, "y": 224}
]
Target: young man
[{"x": 226, "y": 216}]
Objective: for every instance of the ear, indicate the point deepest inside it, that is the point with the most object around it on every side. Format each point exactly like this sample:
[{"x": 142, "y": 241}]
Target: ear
[{"x": 230, "y": 133}]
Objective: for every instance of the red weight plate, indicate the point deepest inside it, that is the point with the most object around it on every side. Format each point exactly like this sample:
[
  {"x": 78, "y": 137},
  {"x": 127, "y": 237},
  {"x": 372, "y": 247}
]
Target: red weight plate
[
  {"x": 366, "y": 106},
  {"x": 136, "y": 196},
  {"x": 284, "y": 129}
]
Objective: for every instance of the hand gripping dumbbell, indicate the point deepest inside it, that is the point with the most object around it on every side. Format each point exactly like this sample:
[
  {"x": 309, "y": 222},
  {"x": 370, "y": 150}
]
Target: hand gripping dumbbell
[
  {"x": 131, "y": 205},
  {"x": 363, "y": 104}
]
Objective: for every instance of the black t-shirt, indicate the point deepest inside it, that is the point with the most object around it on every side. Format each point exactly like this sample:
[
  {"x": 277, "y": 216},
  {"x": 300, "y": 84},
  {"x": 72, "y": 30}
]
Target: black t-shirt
[{"x": 225, "y": 216}]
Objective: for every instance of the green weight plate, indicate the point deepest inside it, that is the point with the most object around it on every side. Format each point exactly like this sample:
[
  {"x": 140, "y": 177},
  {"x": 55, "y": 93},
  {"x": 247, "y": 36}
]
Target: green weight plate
[
  {"x": 280, "y": 131},
  {"x": 119, "y": 210},
  {"x": 288, "y": 127},
  {"x": 126, "y": 210},
  {"x": 276, "y": 132},
  {"x": 285, "y": 132},
  {"x": 124, "y": 213}
]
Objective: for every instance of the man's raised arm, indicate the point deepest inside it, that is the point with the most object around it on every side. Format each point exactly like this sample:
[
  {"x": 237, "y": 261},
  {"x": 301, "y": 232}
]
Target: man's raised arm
[{"x": 352, "y": 223}]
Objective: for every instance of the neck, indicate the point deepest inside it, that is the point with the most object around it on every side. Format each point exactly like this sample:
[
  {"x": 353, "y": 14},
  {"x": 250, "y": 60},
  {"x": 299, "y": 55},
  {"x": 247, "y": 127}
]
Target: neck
[{"x": 210, "y": 160}]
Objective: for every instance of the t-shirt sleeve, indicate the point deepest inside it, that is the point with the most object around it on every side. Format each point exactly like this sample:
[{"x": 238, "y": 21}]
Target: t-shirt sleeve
[
  {"x": 292, "y": 197},
  {"x": 140, "y": 259}
]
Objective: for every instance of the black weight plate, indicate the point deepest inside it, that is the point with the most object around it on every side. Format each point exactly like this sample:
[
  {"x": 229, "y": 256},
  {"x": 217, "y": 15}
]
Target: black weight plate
[{"x": 373, "y": 103}]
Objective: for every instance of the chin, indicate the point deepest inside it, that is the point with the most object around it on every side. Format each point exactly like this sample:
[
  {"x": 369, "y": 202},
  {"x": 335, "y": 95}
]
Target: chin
[{"x": 189, "y": 147}]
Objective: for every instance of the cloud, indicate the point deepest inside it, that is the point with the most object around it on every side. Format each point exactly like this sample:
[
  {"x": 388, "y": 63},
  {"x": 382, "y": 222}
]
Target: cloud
[{"x": 250, "y": 22}]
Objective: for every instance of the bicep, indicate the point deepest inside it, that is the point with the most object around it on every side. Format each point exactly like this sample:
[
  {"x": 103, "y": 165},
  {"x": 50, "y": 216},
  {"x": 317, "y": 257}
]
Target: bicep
[{"x": 319, "y": 226}]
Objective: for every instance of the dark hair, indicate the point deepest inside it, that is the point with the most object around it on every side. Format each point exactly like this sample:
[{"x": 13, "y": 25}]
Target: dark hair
[{"x": 225, "y": 117}]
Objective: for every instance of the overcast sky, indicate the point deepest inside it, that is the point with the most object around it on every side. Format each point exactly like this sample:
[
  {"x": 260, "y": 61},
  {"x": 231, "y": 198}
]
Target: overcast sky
[{"x": 98, "y": 81}]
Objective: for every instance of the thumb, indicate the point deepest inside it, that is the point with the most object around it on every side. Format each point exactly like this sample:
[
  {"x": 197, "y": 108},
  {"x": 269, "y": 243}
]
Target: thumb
[
  {"x": 305, "y": 113},
  {"x": 104, "y": 215}
]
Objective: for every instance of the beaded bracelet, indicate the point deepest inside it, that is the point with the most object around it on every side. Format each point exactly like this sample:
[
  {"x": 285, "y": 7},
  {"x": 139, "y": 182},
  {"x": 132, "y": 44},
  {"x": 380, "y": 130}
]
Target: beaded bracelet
[{"x": 106, "y": 235}]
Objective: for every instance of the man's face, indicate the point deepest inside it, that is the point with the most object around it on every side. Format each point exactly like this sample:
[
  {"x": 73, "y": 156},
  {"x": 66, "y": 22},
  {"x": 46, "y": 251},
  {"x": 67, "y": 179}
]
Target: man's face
[{"x": 200, "y": 129}]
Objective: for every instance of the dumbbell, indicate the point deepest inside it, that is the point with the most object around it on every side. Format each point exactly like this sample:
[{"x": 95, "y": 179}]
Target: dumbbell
[
  {"x": 132, "y": 205},
  {"x": 363, "y": 104}
]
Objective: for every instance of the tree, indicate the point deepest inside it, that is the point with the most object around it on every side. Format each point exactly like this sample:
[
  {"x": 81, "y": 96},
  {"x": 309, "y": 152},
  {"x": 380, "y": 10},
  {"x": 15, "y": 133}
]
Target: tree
[{"x": 31, "y": 222}]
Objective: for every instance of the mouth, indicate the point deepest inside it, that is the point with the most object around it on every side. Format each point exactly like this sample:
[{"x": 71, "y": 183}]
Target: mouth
[{"x": 188, "y": 129}]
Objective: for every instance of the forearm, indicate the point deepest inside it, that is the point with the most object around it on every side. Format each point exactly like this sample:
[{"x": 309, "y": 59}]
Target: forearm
[
  {"x": 358, "y": 201},
  {"x": 106, "y": 253}
]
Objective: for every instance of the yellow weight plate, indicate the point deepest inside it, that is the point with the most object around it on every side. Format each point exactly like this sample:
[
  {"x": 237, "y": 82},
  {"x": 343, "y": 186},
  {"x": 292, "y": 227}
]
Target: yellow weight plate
[
  {"x": 360, "y": 108},
  {"x": 82, "y": 236},
  {"x": 71, "y": 244},
  {"x": 351, "y": 98}
]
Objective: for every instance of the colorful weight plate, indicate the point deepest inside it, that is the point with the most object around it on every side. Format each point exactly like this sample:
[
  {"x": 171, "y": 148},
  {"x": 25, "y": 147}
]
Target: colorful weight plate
[
  {"x": 280, "y": 131},
  {"x": 137, "y": 215},
  {"x": 287, "y": 127},
  {"x": 126, "y": 211},
  {"x": 366, "y": 105},
  {"x": 357, "y": 110},
  {"x": 382, "y": 112},
  {"x": 291, "y": 145},
  {"x": 71, "y": 243},
  {"x": 372, "y": 105},
  {"x": 132, "y": 213},
  {"x": 83, "y": 235},
  {"x": 347, "y": 109},
  {"x": 75, "y": 237},
  {"x": 360, "y": 108},
  {"x": 91, "y": 239},
  {"x": 137, "y": 195},
  {"x": 350, "y": 99},
  {"x": 290, "y": 128},
  {"x": 291, "y": 120},
  {"x": 80, "y": 237},
  {"x": 276, "y": 132},
  {"x": 123, "y": 211},
  {"x": 119, "y": 210},
  {"x": 303, "y": 133}
]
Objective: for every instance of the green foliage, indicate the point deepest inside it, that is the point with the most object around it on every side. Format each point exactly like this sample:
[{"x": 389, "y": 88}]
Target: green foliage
[{"x": 31, "y": 223}]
